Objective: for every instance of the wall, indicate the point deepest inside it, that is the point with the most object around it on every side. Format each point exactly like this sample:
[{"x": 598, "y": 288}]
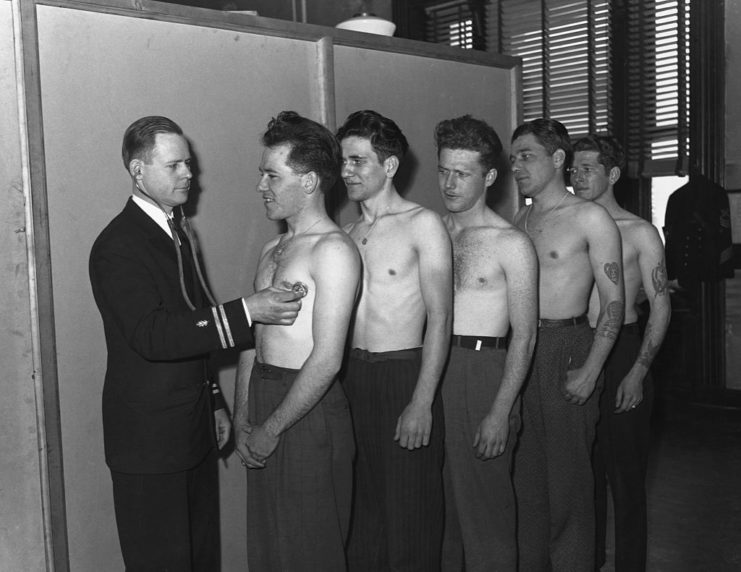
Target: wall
[{"x": 21, "y": 521}]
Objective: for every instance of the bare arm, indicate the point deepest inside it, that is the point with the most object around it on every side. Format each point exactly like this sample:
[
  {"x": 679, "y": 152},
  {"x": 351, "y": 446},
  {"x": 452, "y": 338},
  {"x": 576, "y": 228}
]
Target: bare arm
[
  {"x": 605, "y": 257},
  {"x": 653, "y": 277},
  {"x": 436, "y": 283},
  {"x": 520, "y": 265},
  {"x": 242, "y": 427},
  {"x": 336, "y": 273}
]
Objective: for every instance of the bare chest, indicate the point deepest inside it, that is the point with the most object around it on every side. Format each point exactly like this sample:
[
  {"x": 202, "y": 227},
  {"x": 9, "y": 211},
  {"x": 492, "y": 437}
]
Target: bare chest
[{"x": 474, "y": 262}]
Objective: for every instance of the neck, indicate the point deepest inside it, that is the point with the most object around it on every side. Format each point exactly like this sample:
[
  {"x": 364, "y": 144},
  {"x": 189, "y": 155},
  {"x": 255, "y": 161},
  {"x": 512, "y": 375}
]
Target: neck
[
  {"x": 305, "y": 221},
  {"x": 145, "y": 197},
  {"x": 380, "y": 203},
  {"x": 608, "y": 200},
  {"x": 550, "y": 196},
  {"x": 475, "y": 216}
]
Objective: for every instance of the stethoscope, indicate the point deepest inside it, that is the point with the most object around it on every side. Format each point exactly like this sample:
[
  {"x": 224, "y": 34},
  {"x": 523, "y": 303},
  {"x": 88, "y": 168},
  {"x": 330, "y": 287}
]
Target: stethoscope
[{"x": 190, "y": 237}]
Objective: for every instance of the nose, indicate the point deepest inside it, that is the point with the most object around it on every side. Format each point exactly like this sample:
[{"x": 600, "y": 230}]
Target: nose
[
  {"x": 262, "y": 184},
  {"x": 450, "y": 181},
  {"x": 186, "y": 171},
  {"x": 346, "y": 170}
]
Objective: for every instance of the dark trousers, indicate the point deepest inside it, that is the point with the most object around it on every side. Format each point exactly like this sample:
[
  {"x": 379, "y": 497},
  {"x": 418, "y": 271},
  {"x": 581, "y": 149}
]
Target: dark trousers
[
  {"x": 169, "y": 522},
  {"x": 553, "y": 477},
  {"x": 621, "y": 458},
  {"x": 398, "y": 504},
  {"x": 480, "y": 516},
  {"x": 298, "y": 506}
]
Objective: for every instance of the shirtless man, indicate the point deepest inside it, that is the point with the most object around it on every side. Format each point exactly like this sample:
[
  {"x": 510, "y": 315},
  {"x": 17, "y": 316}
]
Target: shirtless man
[
  {"x": 578, "y": 247},
  {"x": 621, "y": 454},
  {"x": 400, "y": 342},
  {"x": 292, "y": 421},
  {"x": 495, "y": 291}
]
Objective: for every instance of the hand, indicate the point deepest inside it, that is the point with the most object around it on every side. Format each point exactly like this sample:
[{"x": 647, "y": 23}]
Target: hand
[
  {"x": 274, "y": 306},
  {"x": 260, "y": 445},
  {"x": 629, "y": 393},
  {"x": 242, "y": 432},
  {"x": 491, "y": 436},
  {"x": 413, "y": 427},
  {"x": 577, "y": 388},
  {"x": 223, "y": 426}
]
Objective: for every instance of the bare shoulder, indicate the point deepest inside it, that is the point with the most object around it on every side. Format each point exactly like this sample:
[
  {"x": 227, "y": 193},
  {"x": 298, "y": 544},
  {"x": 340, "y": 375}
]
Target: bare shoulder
[
  {"x": 422, "y": 219},
  {"x": 590, "y": 218},
  {"x": 640, "y": 233},
  {"x": 335, "y": 243}
]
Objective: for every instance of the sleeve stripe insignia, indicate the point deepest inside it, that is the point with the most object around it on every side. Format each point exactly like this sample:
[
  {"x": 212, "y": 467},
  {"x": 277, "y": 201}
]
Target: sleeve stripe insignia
[
  {"x": 227, "y": 329},
  {"x": 202, "y": 323},
  {"x": 219, "y": 328}
]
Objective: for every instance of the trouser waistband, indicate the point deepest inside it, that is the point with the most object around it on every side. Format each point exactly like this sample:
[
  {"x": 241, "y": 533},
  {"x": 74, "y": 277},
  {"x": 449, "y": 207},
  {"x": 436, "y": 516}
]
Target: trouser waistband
[
  {"x": 365, "y": 355},
  {"x": 269, "y": 371},
  {"x": 576, "y": 321},
  {"x": 477, "y": 343}
]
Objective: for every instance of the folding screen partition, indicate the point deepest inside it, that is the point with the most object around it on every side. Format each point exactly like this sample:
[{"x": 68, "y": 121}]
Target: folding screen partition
[{"x": 78, "y": 74}]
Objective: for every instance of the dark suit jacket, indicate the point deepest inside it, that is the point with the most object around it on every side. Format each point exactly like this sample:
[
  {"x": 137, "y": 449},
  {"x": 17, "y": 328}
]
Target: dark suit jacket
[
  {"x": 698, "y": 233},
  {"x": 157, "y": 414}
]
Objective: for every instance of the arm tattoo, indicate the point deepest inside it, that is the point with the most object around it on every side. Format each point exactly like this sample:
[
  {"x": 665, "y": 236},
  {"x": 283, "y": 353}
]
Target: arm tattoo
[
  {"x": 648, "y": 353},
  {"x": 647, "y": 356},
  {"x": 612, "y": 270},
  {"x": 658, "y": 277},
  {"x": 611, "y": 320}
]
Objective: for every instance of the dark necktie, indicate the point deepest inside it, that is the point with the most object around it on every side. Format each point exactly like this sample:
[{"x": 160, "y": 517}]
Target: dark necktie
[{"x": 189, "y": 271}]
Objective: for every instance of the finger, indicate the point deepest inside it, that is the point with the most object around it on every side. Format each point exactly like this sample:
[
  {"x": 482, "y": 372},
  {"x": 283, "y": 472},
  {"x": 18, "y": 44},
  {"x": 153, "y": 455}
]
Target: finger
[
  {"x": 287, "y": 295},
  {"x": 397, "y": 431},
  {"x": 426, "y": 438},
  {"x": 476, "y": 439},
  {"x": 242, "y": 458}
]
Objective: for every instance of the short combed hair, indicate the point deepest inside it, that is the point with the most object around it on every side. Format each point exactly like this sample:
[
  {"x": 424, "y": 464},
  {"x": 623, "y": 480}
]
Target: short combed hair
[
  {"x": 610, "y": 150},
  {"x": 470, "y": 134},
  {"x": 384, "y": 135},
  {"x": 313, "y": 146},
  {"x": 550, "y": 133},
  {"x": 139, "y": 139}
]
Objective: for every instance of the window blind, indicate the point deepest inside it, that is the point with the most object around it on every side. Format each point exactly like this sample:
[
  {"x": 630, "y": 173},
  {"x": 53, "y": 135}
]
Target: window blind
[
  {"x": 565, "y": 49},
  {"x": 458, "y": 23},
  {"x": 658, "y": 87}
]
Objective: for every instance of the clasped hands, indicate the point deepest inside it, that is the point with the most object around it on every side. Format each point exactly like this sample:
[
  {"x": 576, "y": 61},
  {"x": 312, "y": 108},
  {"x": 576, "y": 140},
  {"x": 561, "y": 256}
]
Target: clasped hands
[{"x": 254, "y": 444}]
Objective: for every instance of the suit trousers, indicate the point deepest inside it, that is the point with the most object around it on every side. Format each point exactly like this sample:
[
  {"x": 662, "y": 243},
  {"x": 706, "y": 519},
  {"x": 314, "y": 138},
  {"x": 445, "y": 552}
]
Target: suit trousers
[
  {"x": 169, "y": 522},
  {"x": 480, "y": 515},
  {"x": 398, "y": 504},
  {"x": 621, "y": 458},
  {"x": 553, "y": 477},
  {"x": 298, "y": 506}
]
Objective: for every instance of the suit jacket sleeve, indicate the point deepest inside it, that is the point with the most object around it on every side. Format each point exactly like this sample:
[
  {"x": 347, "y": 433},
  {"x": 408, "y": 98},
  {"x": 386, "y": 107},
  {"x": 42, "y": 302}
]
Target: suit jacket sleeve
[{"x": 140, "y": 298}]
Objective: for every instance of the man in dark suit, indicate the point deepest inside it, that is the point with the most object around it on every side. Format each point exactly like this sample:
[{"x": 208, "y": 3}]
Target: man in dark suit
[{"x": 159, "y": 409}]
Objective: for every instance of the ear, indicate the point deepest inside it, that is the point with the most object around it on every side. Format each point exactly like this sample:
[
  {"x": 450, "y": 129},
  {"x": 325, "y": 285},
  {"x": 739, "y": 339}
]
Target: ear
[
  {"x": 613, "y": 175},
  {"x": 490, "y": 177},
  {"x": 559, "y": 158},
  {"x": 135, "y": 168},
  {"x": 310, "y": 182},
  {"x": 391, "y": 165}
]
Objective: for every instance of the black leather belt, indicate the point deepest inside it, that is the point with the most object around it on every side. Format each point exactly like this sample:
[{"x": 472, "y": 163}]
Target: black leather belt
[
  {"x": 545, "y": 323},
  {"x": 478, "y": 342}
]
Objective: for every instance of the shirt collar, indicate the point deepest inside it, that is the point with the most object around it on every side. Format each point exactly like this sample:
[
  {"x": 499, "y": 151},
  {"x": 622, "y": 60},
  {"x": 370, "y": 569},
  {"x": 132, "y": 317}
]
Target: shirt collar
[{"x": 154, "y": 212}]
